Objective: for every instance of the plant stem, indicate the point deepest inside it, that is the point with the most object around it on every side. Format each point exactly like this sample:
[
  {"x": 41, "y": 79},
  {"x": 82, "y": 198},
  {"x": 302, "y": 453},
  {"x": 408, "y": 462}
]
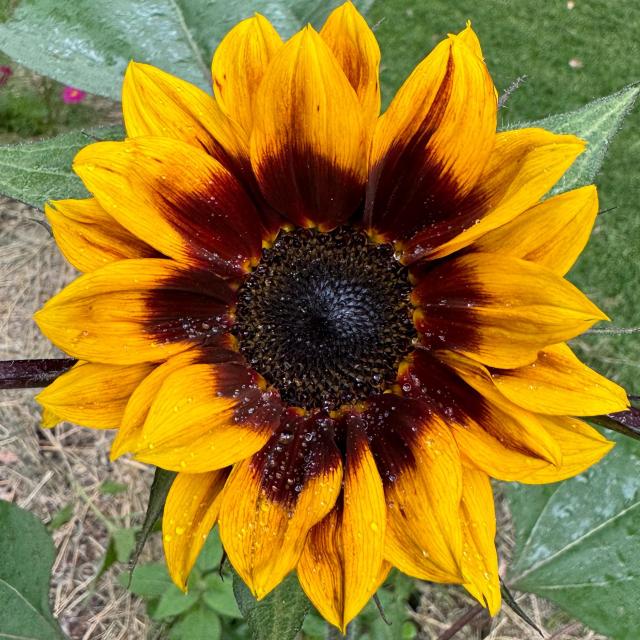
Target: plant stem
[
  {"x": 461, "y": 622},
  {"x": 25, "y": 374}
]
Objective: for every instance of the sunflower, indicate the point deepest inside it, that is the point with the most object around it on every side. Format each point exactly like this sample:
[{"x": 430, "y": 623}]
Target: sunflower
[{"x": 336, "y": 326}]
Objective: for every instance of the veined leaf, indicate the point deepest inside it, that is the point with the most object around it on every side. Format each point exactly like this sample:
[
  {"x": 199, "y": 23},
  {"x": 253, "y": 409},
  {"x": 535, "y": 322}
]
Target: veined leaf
[
  {"x": 35, "y": 172},
  {"x": 88, "y": 43},
  {"x": 597, "y": 123},
  {"x": 26, "y": 557},
  {"x": 577, "y": 542},
  {"x": 279, "y": 616}
]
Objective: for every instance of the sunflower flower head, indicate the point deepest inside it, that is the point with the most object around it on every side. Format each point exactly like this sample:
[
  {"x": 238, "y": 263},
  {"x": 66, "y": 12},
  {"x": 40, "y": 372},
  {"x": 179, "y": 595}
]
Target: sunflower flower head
[{"x": 335, "y": 325}]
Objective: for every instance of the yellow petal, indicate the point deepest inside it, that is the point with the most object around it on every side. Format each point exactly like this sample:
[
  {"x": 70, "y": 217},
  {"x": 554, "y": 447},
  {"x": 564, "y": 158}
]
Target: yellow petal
[
  {"x": 239, "y": 64},
  {"x": 176, "y": 198},
  {"x": 206, "y": 417},
  {"x": 155, "y": 103},
  {"x": 272, "y": 500},
  {"x": 552, "y": 233},
  {"x": 524, "y": 165},
  {"x": 342, "y": 564},
  {"x": 499, "y": 310},
  {"x": 190, "y": 511},
  {"x": 356, "y": 49},
  {"x": 135, "y": 311},
  {"x": 418, "y": 461},
  {"x": 582, "y": 446},
  {"x": 557, "y": 383},
  {"x": 432, "y": 143},
  {"x": 495, "y": 433},
  {"x": 137, "y": 409},
  {"x": 321, "y": 568},
  {"x": 93, "y": 395},
  {"x": 308, "y": 142},
  {"x": 89, "y": 237},
  {"x": 480, "y": 560},
  {"x": 512, "y": 444}
]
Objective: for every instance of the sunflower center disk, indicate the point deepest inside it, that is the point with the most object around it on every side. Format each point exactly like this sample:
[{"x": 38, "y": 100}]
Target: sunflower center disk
[{"x": 325, "y": 317}]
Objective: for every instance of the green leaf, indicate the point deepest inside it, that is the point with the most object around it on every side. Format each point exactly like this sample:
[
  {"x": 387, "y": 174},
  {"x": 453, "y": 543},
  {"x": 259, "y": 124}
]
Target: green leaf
[
  {"x": 211, "y": 554},
  {"x": 218, "y": 595},
  {"x": 119, "y": 548},
  {"x": 35, "y": 172},
  {"x": 173, "y": 602},
  {"x": 26, "y": 558},
  {"x": 61, "y": 517},
  {"x": 111, "y": 488},
  {"x": 162, "y": 481},
  {"x": 199, "y": 624},
  {"x": 279, "y": 616},
  {"x": 88, "y": 43},
  {"x": 577, "y": 542},
  {"x": 597, "y": 123},
  {"x": 148, "y": 580}
]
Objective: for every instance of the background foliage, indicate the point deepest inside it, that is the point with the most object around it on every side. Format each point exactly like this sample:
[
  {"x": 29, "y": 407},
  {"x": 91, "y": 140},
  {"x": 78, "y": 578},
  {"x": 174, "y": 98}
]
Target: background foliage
[{"x": 577, "y": 541}]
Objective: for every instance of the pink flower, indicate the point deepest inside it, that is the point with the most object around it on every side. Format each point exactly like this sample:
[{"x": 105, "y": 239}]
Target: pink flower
[
  {"x": 5, "y": 74},
  {"x": 73, "y": 96}
]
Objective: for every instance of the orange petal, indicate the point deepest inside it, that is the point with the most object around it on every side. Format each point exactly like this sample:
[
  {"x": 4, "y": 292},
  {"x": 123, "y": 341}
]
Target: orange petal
[
  {"x": 89, "y": 237},
  {"x": 272, "y": 500},
  {"x": 557, "y": 383},
  {"x": 342, "y": 564},
  {"x": 308, "y": 142},
  {"x": 176, "y": 198},
  {"x": 239, "y": 64},
  {"x": 129, "y": 434},
  {"x": 523, "y": 166},
  {"x": 499, "y": 310},
  {"x": 206, "y": 417},
  {"x": 552, "y": 233},
  {"x": 190, "y": 511},
  {"x": 155, "y": 103},
  {"x": 432, "y": 143},
  {"x": 420, "y": 469},
  {"x": 135, "y": 311},
  {"x": 356, "y": 49},
  {"x": 480, "y": 560},
  {"x": 93, "y": 395}
]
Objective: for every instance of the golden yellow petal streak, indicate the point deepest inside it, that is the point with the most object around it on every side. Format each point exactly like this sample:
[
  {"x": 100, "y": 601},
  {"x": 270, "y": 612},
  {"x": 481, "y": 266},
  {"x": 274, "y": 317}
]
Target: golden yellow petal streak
[
  {"x": 239, "y": 64},
  {"x": 93, "y": 395},
  {"x": 468, "y": 403},
  {"x": 129, "y": 434},
  {"x": 552, "y": 233},
  {"x": 432, "y": 143},
  {"x": 557, "y": 383},
  {"x": 523, "y": 166},
  {"x": 356, "y": 49},
  {"x": 581, "y": 447},
  {"x": 479, "y": 529},
  {"x": 308, "y": 142},
  {"x": 264, "y": 532},
  {"x": 424, "y": 536},
  {"x": 342, "y": 564},
  {"x": 199, "y": 421},
  {"x": 155, "y": 103},
  {"x": 89, "y": 237},
  {"x": 190, "y": 512},
  {"x": 512, "y": 444},
  {"x": 108, "y": 315},
  {"x": 499, "y": 310},
  {"x": 176, "y": 198}
]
